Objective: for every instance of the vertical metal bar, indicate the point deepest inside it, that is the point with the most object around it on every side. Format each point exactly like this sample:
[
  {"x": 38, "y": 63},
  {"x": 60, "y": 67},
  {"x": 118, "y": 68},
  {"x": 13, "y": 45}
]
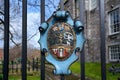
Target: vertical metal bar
[
  {"x": 28, "y": 65},
  {"x": 12, "y": 64},
  {"x": 61, "y": 5},
  {"x": 37, "y": 65},
  {"x": 62, "y": 77},
  {"x": 24, "y": 39},
  {"x": 62, "y": 8},
  {"x": 82, "y": 61},
  {"x": 16, "y": 67},
  {"x": 102, "y": 37},
  {"x": 42, "y": 65},
  {"x": 42, "y": 11},
  {"x": 82, "y": 56},
  {"x": 33, "y": 64},
  {"x": 42, "y": 52},
  {"x": 6, "y": 40}
]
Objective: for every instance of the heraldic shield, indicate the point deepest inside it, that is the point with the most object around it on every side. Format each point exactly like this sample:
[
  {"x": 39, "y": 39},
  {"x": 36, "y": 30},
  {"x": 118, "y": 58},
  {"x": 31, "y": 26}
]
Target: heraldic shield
[{"x": 63, "y": 39}]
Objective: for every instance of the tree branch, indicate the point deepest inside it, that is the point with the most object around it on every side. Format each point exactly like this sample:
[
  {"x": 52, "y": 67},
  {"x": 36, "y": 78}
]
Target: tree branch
[
  {"x": 32, "y": 36},
  {"x": 1, "y": 21},
  {"x": 34, "y": 4},
  {"x": 11, "y": 38},
  {"x": 52, "y": 3},
  {"x": 14, "y": 30},
  {"x": 1, "y": 12},
  {"x": 1, "y": 29}
]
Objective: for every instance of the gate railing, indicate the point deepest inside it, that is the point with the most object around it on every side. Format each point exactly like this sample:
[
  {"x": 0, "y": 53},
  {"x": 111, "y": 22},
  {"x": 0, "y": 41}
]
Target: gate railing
[
  {"x": 42, "y": 51},
  {"x": 24, "y": 40},
  {"x": 6, "y": 40},
  {"x": 102, "y": 37}
]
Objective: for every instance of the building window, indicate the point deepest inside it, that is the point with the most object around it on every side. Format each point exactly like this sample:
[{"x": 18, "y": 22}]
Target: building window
[
  {"x": 114, "y": 22},
  {"x": 92, "y": 4},
  {"x": 114, "y": 52},
  {"x": 76, "y": 8}
]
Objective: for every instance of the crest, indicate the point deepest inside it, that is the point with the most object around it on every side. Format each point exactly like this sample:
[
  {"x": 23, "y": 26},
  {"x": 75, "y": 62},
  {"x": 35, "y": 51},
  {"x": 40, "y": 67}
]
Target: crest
[{"x": 63, "y": 39}]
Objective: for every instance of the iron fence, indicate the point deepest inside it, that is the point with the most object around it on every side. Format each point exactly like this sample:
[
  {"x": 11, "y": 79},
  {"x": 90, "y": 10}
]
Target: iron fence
[{"x": 24, "y": 41}]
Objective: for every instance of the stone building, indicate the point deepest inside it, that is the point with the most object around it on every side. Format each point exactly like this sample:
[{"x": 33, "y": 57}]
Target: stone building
[
  {"x": 92, "y": 28},
  {"x": 112, "y": 12}
]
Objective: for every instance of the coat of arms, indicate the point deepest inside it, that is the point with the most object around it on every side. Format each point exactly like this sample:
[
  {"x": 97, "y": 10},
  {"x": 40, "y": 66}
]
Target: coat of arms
[{"x": 63, "y": 39}]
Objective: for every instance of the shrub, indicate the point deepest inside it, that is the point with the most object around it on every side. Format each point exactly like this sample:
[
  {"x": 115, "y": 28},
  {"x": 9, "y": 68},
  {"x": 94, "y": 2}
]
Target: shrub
[{"x": 1, "y": 76}]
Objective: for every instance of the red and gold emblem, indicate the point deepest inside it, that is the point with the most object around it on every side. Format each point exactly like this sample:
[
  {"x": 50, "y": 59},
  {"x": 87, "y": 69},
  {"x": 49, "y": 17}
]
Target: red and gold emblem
[{"x": 61, "y": 40}]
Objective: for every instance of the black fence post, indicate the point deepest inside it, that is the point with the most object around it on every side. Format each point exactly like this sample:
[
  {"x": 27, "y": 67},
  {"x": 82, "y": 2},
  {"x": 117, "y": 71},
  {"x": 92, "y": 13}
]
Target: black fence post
[
  {"x": 12, "y": 65},
  {"x": 28, "y": 65},
  {"x": 37, "y": 64},
  {"x": 33, "y": 64},
  {"x": 62, "y": 8},
  {"x": 82, "y": 55},
  {"x": 42, "y": 65},
  {"x": 42, "y": 51},
  {"x": 102, "y": 37},
  {"x": 6, "y": 40},
  {"x": 24, "y": 39},
  {"x": 118, "y": 78},
  {"x": 62, "y": 77},
  {"x": 16, "y": 67}
]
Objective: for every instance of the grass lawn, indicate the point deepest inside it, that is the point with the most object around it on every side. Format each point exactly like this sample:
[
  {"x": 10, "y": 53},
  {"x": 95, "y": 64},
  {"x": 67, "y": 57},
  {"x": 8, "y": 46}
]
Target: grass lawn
[
  {"x": 28, "y": 77},
  {"x": 93, "y": 71}
]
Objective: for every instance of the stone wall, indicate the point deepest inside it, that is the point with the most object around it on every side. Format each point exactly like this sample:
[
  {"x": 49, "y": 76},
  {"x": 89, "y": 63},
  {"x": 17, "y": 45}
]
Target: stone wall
[
  {"x": 92, "y": 33},
  {"x": 92, "y": 28},
  {"x": 110, "y": 39}
]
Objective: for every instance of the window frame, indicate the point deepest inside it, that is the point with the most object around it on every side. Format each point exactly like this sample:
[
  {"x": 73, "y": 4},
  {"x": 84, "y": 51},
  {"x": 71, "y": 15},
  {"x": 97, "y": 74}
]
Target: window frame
[
  {"x": 115, "y": 57},
  {"x": 109, "y": 21},
  {"x": 93, "y": 4}
]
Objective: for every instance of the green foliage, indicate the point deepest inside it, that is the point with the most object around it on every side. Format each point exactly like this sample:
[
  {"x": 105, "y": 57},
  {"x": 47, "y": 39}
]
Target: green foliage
[
  {"x": 110, "y": 76},
  {"x": 93, "y": 71},
  {"x": 75, "y": 68},
  {"x": 0, "y": 66},
  {"x": 1, "y": 76},
  {"x": 28, "y": 78}
]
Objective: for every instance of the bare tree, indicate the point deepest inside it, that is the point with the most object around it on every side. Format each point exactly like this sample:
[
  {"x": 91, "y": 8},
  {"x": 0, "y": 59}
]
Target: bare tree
[
  {"x": 16, "y": 17},
  {"x": 16, "y": 13},
  {"x": 15, "y": 53}
]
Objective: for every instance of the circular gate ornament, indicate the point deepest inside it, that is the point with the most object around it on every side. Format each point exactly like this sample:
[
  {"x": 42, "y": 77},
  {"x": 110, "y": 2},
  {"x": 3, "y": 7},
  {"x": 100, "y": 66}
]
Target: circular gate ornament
[{"x": 63, "y": 39}]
